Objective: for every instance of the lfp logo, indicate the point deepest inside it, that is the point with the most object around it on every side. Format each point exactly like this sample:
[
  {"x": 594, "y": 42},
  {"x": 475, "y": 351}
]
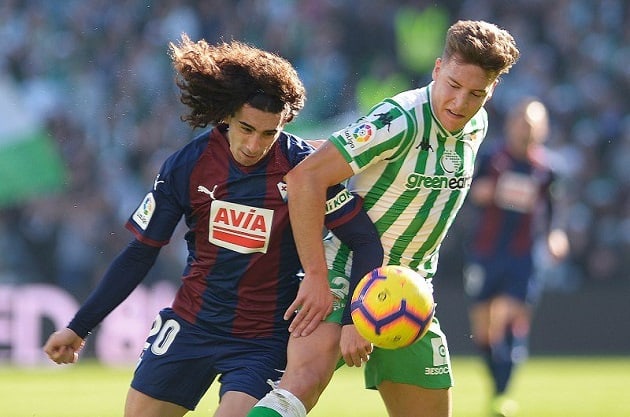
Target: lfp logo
[
  {"x": 144, "y": 212},
  {"x": 362, "y": 133}
]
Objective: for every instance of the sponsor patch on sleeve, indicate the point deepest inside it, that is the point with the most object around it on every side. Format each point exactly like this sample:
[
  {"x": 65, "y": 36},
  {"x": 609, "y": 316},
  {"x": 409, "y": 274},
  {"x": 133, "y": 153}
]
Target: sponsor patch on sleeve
[
  {"x": 145, "y": 211},
  {"x": 340, "y": 199},
  {"x": 358, "y": 135}
]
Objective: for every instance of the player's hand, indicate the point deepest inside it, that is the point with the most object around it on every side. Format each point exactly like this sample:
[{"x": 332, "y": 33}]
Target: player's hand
[
  {"x": 482, "y": 191},
  {"x": 354, "y": 348},
  {"x": 64, "y": 346},
  {"x": 558, "y": 244},
  {"x": 313, "y": 303}
]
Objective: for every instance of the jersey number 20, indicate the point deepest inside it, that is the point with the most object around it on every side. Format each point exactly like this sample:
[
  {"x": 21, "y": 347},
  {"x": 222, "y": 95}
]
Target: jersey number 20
[{"x": 166, "y": 333}]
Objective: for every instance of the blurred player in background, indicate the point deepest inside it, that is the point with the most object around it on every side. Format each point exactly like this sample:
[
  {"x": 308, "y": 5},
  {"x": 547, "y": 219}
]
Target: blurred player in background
[
  {"x": 242, "y": 271},
  {"x": 511, "y": 191},
  {"x": 411, "y": 159}
]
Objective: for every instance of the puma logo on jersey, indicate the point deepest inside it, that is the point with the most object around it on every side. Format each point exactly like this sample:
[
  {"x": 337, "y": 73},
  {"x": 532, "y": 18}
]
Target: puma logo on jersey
[
  {"x": 238, "y": 227},
  {"x": 157, "y": 182},
  {"x": 204, "y": 190}
]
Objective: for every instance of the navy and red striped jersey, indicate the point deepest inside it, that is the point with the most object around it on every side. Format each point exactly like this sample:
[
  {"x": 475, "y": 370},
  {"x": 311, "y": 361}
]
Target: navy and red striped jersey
[
  {"x": 521, "y": 207},
  {"x": 242, "y": 270}
]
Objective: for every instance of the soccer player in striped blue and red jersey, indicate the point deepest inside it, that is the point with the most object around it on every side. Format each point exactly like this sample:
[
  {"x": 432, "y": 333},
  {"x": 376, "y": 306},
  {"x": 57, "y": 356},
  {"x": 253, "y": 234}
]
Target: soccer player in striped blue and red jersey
[
  {"x": 230, "y": 316},
  {"x": 512, "y": 196}
]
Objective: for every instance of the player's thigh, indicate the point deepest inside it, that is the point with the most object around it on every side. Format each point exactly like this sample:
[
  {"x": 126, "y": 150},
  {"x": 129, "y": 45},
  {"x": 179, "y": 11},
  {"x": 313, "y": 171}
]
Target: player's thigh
[
  {"x": 425, "y": 364},
  {"x": 515, "y": 311},
  {"x": 235, "y": 404},
  {"x": 479, "y": 315},
  {"x": 141, "y": 405},
  {"x": 505, "y": 309},
  {"x": 311, "y": 360},
  {"x": 404, "y": 400}
]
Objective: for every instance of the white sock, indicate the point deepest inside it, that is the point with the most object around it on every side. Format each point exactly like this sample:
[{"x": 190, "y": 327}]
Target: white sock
[{"x": 283, "y": 402}]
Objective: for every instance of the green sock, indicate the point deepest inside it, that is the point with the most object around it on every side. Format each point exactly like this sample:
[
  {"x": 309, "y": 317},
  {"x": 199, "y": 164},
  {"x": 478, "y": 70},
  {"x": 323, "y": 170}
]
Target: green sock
[
  {"x": 278, "y": 403},
  {"x": 262, "y": 411}
]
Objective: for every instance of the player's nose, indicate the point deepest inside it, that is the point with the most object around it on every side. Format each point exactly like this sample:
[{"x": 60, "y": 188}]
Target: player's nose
[{"x": 254, "y": 144}]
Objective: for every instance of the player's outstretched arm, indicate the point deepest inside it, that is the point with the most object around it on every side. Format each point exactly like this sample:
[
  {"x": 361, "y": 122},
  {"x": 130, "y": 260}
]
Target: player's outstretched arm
[
  {"x": 307, "y": 184},
  {"x": 121, "y": 278}
]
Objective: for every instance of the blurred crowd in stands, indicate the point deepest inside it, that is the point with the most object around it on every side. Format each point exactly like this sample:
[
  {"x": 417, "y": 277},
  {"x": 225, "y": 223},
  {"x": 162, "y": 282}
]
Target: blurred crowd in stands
[{"x": 97, "y": 73}]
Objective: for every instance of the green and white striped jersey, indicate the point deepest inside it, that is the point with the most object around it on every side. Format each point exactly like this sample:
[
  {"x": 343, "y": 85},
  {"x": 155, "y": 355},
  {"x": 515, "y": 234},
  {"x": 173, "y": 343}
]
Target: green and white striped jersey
[{"x": 412, "y": 174}]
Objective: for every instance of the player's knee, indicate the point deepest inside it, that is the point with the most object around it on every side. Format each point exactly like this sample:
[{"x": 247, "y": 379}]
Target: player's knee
[
  {"x": 305, "y": 385},
  {"x": 282, "y": 402},
  {"x": 481, "y": 340}
]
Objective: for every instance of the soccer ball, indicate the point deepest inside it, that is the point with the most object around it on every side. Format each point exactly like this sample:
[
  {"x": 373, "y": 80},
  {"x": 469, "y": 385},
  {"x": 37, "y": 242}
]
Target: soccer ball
[{"x": 392, "y": 307}]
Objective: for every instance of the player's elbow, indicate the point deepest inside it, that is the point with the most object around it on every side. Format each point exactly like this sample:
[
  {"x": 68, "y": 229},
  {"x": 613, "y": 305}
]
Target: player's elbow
[
  {"x": 324, "y": 168},
  {"x": 304, "y": 177}
]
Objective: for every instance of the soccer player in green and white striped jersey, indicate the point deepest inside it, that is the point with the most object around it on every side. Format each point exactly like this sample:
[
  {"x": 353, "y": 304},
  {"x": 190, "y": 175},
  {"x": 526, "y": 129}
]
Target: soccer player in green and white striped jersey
[
  {"x": 414, "y": 196},
  {"x": 411, "y": 159}
]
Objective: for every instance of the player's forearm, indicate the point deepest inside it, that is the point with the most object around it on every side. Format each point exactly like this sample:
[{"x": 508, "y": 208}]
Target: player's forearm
[
  {"x": 121, "y": 278},
  {"x": 307, "y": 186},
  {"x": 307, "y": 202},
  {"x": 362, "y": 238}
]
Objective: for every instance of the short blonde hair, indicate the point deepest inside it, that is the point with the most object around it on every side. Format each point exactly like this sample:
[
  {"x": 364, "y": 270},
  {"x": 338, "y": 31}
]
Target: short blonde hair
[{"x": 483, "y": 44}]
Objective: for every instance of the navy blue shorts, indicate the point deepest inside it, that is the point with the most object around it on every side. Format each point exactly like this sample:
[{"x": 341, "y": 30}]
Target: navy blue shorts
[
  {"x": 181, "y": 360},
  {"x": 488, "y": 277}
]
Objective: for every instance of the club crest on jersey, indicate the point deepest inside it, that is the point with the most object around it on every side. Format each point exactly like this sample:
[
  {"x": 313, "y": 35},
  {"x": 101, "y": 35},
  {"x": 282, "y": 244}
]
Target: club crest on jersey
[
  {"x": 282, "y": 188},
  {"x": 145, "y": 211},
  {"x": 238, "y": 227},
  {"x": 451, "y": 162},
  {"x": 358, "y": 135}
]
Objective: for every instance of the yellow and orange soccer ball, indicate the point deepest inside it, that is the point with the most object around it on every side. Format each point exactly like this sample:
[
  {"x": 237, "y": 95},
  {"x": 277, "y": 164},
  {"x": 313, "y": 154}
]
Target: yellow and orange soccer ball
[{"x": 392, "y": 307}]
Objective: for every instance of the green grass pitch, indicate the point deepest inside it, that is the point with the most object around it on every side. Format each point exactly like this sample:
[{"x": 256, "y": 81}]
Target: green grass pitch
[{"x": 544, "y": 387}]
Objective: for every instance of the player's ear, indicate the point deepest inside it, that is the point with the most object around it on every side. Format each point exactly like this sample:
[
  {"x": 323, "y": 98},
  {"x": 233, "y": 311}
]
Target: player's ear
[
  {"x": 491, "y": 90},
  {"x": 436, "y": 68}
]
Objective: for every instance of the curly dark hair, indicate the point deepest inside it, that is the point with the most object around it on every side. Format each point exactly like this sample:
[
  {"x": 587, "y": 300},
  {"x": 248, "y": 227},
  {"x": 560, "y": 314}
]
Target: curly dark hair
[
  {"x": 483, "y": 44},
  {"x": 217, "y": 80}
]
